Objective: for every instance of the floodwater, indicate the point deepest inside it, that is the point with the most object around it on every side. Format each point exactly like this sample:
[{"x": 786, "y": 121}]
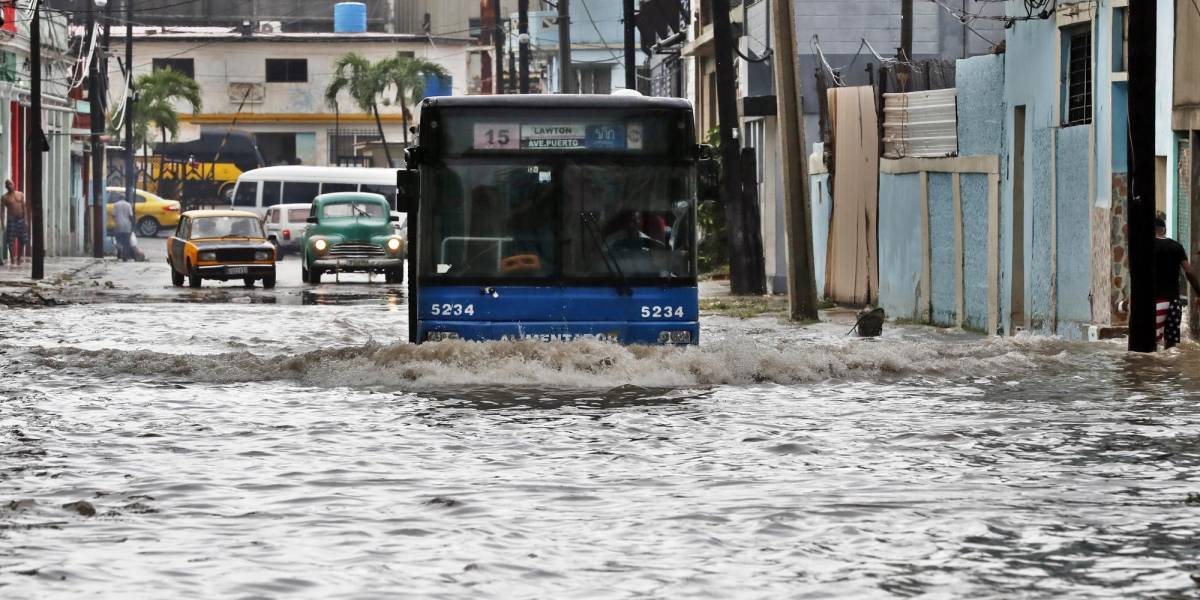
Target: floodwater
[{"x": 296, "y": 449}]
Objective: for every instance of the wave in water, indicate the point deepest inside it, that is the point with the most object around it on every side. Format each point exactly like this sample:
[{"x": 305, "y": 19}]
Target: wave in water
[{"x": 582, "y": 364}]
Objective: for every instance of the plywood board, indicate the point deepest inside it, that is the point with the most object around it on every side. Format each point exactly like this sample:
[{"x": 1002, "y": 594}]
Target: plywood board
[{"x": 853, "y": 263}]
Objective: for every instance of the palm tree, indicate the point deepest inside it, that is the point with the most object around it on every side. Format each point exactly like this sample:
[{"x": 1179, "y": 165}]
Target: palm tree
[
  {"x": 158, "y": 94},
  {"x": 368, "y": 83}
]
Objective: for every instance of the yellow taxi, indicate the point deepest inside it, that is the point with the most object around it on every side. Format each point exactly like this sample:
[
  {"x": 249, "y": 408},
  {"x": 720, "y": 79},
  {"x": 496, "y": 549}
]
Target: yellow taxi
[
  {"x": 151, "y": 213},
  {"x": 220, "y": 245}
]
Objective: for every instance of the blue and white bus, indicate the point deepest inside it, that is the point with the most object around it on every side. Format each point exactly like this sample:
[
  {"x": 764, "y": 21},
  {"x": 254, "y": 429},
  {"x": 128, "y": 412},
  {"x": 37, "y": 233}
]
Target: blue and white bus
[{"x": 553, "y": 218}]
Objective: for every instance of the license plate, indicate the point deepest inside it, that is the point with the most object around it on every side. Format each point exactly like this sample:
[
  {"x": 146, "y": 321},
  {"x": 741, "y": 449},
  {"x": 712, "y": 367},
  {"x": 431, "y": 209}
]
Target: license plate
[{"x": 236, "y": 270}]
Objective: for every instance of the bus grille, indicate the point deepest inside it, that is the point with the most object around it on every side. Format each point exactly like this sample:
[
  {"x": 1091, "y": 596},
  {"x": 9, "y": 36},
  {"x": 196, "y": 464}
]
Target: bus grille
[
  {"x": 235, "y": 254},
  {"x": 356, "y": 250}
]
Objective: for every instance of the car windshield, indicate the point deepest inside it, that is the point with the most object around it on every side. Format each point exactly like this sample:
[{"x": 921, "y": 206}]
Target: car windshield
[
  {"x": 576, "y": 218},
  {"x": 216, "y": 227},
  {"x": 339, "y": 210}
]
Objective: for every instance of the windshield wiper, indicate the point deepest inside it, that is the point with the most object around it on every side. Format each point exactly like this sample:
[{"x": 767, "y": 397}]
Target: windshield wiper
[
  {"x": 614, "y": 267},
  {"x": 359, "y": 211}
]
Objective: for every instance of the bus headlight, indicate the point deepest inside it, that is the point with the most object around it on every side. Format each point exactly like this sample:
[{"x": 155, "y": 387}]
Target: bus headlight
[
  {"x": 320, "y": 246},
  {"x": 674, "y": 337},
  {"x": 441, "y": 336},
  {"x": 207, "y": 257},
  {"x": 394, "y": 245},
  {"x": 263, "y": 255}
]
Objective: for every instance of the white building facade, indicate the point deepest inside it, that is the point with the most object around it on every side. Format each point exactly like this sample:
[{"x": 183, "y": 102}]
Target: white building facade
[{"x": 273, "y": 85}]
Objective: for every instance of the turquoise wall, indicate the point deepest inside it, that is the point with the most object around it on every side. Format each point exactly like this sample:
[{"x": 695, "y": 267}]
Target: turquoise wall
[{"x": 900, "y": 245}]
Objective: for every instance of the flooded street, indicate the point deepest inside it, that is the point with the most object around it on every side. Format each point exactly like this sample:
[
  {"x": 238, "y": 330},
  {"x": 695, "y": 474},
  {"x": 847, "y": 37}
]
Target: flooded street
[{"x": 253, "y": 444}]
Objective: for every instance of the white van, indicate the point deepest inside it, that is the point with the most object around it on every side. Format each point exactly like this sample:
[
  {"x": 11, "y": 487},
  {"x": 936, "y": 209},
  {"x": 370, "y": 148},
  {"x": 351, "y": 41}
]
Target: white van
[{"x": 258, "y": 189}]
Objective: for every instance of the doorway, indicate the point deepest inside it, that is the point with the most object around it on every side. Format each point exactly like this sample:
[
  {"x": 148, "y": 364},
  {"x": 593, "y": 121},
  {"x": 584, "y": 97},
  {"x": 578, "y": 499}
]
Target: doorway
[{"x": 1017, "y": 314}]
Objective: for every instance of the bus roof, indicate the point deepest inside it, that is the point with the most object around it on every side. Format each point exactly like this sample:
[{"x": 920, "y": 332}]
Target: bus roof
[
  {"x": 367, "y": 175},
  {"x": 538, "y": 101}
]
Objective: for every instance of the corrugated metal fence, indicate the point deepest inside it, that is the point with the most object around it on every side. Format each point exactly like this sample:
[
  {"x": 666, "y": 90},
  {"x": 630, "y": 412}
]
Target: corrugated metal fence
[{"x": 920, "y": 124}]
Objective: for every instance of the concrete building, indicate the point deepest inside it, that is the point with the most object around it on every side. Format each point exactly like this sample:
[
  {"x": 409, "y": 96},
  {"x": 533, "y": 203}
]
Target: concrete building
[
  {"x": 383, "y": 16},
  {"x": 273, "y": 85},
  {"x": 597, "y": 47},
  {"x": 63, "y": 202}
]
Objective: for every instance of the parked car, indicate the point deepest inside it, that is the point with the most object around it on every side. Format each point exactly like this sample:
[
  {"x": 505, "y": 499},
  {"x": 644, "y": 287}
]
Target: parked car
[
  {"x": 352, "y": 231},
  {"x": 151, "y": 213},
  {"x": 285, "y": 225},
  {"x": 221, "y": 245}
]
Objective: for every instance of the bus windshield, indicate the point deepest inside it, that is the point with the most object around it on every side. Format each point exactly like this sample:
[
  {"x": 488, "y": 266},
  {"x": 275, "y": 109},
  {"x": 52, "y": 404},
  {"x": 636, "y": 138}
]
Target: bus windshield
[{"x": 591, "y": 219}]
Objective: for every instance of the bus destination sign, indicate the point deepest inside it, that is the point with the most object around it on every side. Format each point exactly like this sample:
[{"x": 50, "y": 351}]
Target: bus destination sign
[{"x": 557, "y": 136}]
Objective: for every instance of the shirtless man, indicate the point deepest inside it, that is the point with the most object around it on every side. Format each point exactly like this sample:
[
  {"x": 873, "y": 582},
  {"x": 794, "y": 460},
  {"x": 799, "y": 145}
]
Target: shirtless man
[{"x": 16, "y": 232}]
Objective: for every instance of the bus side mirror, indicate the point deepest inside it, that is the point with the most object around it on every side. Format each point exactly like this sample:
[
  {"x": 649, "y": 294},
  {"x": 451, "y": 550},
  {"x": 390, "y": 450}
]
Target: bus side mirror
[
  {"x": 408, "y": 190},
  {"x": 708, "y": 171}
]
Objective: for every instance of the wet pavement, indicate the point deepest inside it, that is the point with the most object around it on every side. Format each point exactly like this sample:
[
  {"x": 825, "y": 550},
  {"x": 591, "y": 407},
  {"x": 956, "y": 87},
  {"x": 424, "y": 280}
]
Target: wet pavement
[{"x": 167, "y": 442}]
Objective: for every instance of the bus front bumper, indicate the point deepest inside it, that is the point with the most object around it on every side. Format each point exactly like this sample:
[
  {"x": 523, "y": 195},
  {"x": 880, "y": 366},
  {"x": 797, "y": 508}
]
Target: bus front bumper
[{"x": 654, "y": 333}]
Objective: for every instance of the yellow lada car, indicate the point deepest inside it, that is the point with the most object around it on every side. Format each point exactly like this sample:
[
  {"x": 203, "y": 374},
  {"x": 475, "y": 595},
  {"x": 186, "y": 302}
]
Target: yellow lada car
[
  {"x": 220, "y": 245},
  {"x": 150, "y": 212}
]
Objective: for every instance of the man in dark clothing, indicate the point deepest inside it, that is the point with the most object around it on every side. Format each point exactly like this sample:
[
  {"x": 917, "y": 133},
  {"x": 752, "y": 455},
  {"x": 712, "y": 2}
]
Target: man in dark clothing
[{"x": 1169, "y": 256}]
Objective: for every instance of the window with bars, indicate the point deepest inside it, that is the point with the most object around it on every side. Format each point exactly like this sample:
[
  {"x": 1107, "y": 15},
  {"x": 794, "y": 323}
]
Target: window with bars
[
  {"x": 186, "y": 66},
  {"x": 342, "y": 151},
  {"x": 1078, "y": 82}
]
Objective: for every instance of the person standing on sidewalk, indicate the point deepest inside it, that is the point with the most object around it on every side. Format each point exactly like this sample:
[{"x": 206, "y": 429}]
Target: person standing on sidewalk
[
  {"x": 16, "y": 229},
  {"x": 1169, "y": 257},
  {"x": 123, "y": 227}
]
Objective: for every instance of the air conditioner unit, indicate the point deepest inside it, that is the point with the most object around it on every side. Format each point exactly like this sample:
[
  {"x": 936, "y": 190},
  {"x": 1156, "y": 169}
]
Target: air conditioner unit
[
  {"x": 250, "y": 92},
  {"x": 270, "y": 27}
]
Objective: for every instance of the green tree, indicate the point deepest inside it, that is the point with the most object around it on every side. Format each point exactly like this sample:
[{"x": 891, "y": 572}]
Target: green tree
[
  {"x": 157, "y": 95},
  {"x": 400, "y": 79}
]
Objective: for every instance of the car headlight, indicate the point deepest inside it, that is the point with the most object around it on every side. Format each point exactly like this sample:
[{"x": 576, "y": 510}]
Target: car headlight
[
  {"x": 208, "y": 256},
  {"x": 394, "y": 244},
  {"x": 320, "y": 245},
  {"x": 263, "y": 255},
  {"x": 441, "y": 336}
]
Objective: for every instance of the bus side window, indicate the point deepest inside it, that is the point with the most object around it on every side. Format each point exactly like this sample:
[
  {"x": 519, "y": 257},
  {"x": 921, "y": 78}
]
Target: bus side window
[
  {"x": 331, "y": 188},
  {"x": 270, "y": 193},
  {"x": 299, "y": 192},
  {"x": 246, "y": 193}
]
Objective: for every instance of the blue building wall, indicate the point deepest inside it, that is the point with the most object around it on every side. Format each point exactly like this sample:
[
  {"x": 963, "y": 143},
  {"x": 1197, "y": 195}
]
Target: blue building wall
[
  {"x": 974, "y": 190},
  {"x": 900, "y": 245},
  {"x": 942, "y": 249}
]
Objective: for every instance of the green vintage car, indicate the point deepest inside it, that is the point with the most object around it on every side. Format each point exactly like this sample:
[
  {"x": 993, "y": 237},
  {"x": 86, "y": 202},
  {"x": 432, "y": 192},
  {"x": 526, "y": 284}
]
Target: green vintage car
[{"x": 351, "y": 232}]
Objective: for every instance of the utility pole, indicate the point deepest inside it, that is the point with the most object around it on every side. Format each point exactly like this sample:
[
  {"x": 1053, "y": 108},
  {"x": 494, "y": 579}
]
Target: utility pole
[
  {"x": 906, "y": 43},
  {"x": 523, "y": 39},
  {"x": 498, "y": 40},
  {"x": 797, "y": 208},
  {"x": 130, "y": 107},
  {"x": 566, "y": 76},
  {"x": 96, "y": 104},
  {"x": 747, "y": 273},
  {"x": 35, "y": 141},
  {"x": 630, "y": 51},
  {"x": 1141, "y": 202}
]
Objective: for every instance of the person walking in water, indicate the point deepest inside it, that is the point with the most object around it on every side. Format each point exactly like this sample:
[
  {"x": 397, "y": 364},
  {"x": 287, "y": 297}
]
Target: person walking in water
[
  {"x": 123, "y": 227},
  {"x": 16, "y": 231},
  {"x": 1169, "y": 257}
]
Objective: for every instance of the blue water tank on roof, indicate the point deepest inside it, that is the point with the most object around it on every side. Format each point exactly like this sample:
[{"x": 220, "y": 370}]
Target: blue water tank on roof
[{"x": 349, "y": 17}]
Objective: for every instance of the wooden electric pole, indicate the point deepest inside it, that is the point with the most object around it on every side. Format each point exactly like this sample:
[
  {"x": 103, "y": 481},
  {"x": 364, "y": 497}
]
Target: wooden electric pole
[
  {"x": 35, "y": 141},
  {"x": 747, "y": 273},
  {"x": 566, "y": 76},
  {"x": 630, "y": 51},
  {"x": 1141, "y": 201},
  {"x": 498, "y": 41},
  {"x": 523, "y": 40},
  {"x": 802, "y": 283},
  {"x": 96, "y": 115},
  {"x": 906, "y": 44},
  {"x": 130, "y": 108}
]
